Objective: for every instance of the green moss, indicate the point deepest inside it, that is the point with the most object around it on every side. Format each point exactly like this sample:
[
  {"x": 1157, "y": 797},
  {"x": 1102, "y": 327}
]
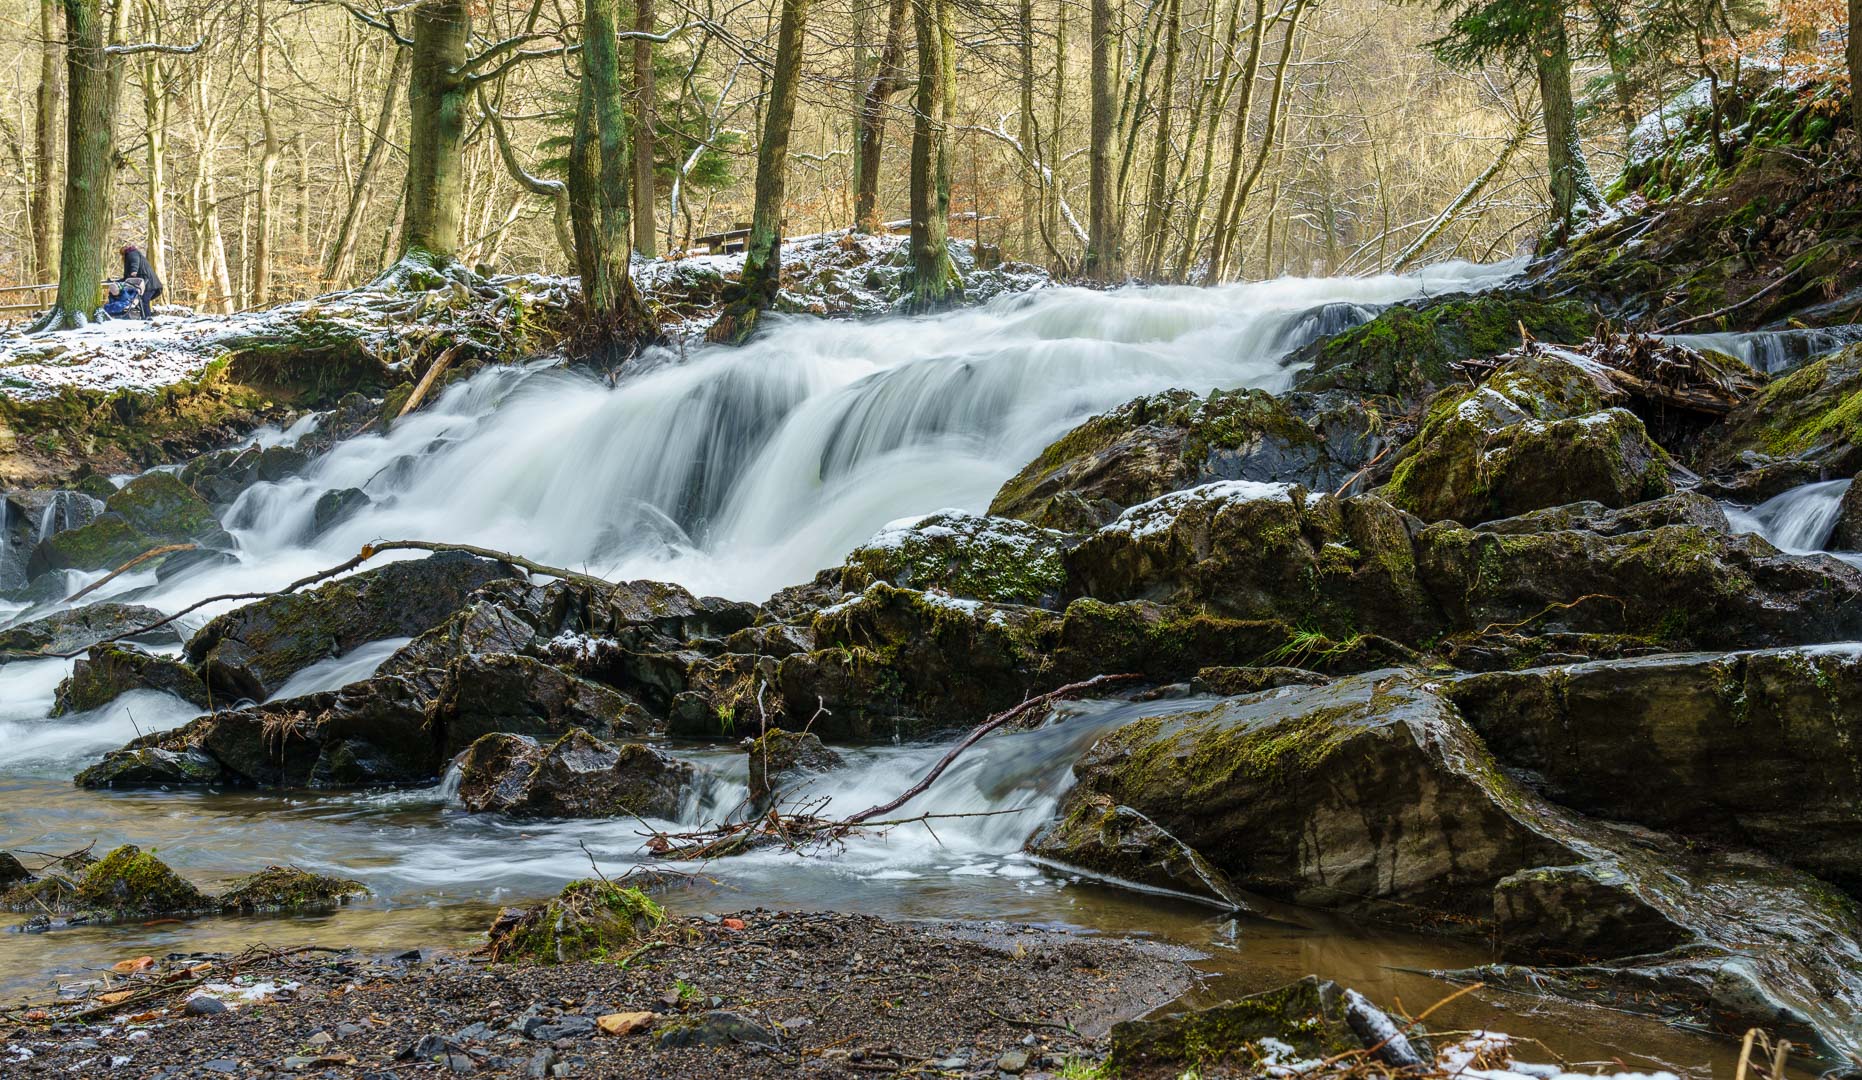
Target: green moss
[
  {"x": 589, "y": 920},
  {"x": 130, "y": 882},
  {"x": 287, "y": 888},
  {"x": 1408, "y": 350}
]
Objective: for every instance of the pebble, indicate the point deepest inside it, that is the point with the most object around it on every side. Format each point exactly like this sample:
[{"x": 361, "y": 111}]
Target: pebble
[
  {"x": 220, "y": 1065},
  {"x": 1013, "y": 1061},
  {"x": 321, "y": 1038},
  {"x": 204, "y": 1006},
  {"x": 541, "y": 1063}
]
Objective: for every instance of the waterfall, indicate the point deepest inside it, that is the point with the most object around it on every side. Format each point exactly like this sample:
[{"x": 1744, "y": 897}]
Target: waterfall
[
  {"x": 1773, "y": 351},
  {"x": 1799, "y": 521},
  {"x": 739, "y": 471}
]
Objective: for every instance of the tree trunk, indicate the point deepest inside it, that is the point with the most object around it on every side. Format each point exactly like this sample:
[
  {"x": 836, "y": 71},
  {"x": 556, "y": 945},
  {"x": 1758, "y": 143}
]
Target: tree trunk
[
  {"x": 1103, "y": 258},
  {"x": 1155, "y": 210},
  {"x": 437, "y": 92},
  {"x": 869, "y": 139},
  {"x": 599, "y": 196},
  {"x": 1192, "y": 229},
  {"x": 45, "y": 139},
  {"x": 1854, "y": 51},
  {"x": 268, "y": 165},
  {"x": 1224, "y": 224},
  {"x": 934, "y": 282},
  {"x": 756, "y": 288},
  {"x": 645, "y": 190},
  {"x": 1571, "y": 182},
  {"x": 341, "y": 261},
  {"x": 1227, "y": 247},
  {"x": 1057, "y": 110},
  {"x": 88, "y": 125},
  {"x": 155, "y": 113},
  {"x": 1031, "y": 185}
]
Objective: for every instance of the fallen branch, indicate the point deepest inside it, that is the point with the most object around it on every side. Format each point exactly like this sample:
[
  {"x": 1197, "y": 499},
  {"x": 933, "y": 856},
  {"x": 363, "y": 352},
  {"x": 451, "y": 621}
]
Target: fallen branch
[
  {"x": 152, "y": 553},
  {"x": 368, "y": 552},
  {"x": 1728, "y": 309},
  {"x": 978, "y": 732},
  {"x": 434, "y": 369}
]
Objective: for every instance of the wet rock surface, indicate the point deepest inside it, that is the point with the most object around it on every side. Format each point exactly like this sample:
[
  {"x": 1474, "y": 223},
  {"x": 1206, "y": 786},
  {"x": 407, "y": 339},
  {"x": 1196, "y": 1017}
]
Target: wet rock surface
[{"x": 576, "y": 775}]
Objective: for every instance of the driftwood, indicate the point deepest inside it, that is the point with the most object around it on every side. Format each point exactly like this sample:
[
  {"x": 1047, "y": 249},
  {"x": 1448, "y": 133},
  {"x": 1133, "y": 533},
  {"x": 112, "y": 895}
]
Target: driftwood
[
  {"x": 368, "y": 552},
  {"x": 1646, "y": 368},
  {"x": 152, "y": 553},
  {"x": 806, "y": 826}
]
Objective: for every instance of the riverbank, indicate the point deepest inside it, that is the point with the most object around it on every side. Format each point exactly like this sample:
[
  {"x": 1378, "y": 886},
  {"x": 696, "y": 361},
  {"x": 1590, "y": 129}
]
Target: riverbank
[{"x": 752, "y": 994}]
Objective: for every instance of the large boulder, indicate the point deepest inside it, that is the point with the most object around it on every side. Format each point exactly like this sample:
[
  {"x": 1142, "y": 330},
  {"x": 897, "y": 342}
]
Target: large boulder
[
  {"x": 500, "y": 692},
  {"x": 1407, "y": 352},
  {"x": 130, "y": 883},
  {"x": 251, "y": 651},
  {"x": 1118, "y": 843},
  {"x": 29, "y": 517},
  {"x": 1155, "y": 445},
  {"x": 154, "y": 510},
  {"x": 576, "y": 776},
  {"x": 780, "y": 759},
  {"x": 115, "y": 669},
  {"x": 1752, "y": 749},
  {"x": 964, "y": 555},
  {"x": 76, "y": 629},
  {"x": 1540, "y": 432},
  {"x": 1847, "y": 535},
  {"x": 1809, "y": 415},
  {"x": 1373, "y": 796}
]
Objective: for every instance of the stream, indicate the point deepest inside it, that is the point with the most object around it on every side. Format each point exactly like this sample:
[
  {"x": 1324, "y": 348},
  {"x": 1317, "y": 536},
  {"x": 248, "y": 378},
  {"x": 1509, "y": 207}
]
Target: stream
[{"x": 737, "y": 472}]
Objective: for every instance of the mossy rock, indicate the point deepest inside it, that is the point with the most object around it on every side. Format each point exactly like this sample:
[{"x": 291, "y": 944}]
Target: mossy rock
[
  {"x": 105, "y": 544},
  {"x": 287, "y": 888},
  {"x": 778, "y": 758},
  {"x": 1154, "y": 445},
  {"x": 1307, "y": 1016},
  {"x": 161, "y": 507},
  {"x": 589, "y": 920},
  {"x": 129, "y": 882},
  {"x": 1814, "y": 412},
  {"x": 115, "y": 669},
  {"x": 1408, "y": 351},
  {"x": 965, "y": 555},
  {"x": 80, "y": 628}
]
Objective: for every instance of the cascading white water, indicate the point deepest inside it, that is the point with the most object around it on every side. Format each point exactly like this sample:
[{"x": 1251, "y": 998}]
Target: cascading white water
[
  {"x": 738, "y": 471},
  {"x": 1799, "y": 521},
  {"x": 1773, "y": 351}
]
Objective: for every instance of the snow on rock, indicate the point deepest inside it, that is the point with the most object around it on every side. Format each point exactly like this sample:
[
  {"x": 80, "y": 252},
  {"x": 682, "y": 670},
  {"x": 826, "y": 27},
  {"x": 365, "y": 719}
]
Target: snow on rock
[{"x": 1156, "y": 517}]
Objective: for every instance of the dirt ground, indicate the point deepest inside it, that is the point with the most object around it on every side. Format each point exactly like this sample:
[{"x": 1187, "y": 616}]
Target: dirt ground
[{"x": 758, "y": 994}]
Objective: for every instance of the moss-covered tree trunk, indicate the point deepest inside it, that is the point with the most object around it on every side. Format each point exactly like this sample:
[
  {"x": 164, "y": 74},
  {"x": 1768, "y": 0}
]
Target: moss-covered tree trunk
[
  {"x": 1571, "y": 183},
  {"x": 438, "y": 91},
  {"x": 1854, "y": 56},
  {"x": 600, "y": 197},
  {"x": 870, "y": 133},
  {"x": 45, "y": 139},
  {"x": 87, "y": 169},
  {"x": 934, "y": 282},
  {"x": 755, "y": 291},
  {"x": 645, "y": 190},
  {"x": 1103, "y": 259}
]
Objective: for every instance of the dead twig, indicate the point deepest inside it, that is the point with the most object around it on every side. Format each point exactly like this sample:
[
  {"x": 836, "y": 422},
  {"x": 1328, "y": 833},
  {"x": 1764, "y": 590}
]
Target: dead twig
[{"x": 152, "y": 553}]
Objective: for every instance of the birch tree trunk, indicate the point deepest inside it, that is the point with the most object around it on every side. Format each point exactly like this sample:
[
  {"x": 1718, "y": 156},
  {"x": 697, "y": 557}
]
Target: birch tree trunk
[
  {"x": 341, "y": 261},
  {"x": 268, "y": 162}
]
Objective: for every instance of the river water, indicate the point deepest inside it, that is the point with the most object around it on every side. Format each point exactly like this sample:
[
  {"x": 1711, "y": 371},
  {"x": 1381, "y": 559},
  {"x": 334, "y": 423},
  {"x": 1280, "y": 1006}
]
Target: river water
[{"x": 732, "y": 472}]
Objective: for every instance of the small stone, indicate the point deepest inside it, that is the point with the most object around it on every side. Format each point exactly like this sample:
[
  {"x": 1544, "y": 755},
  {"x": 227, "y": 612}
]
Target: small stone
[
  {"x": 321, "y": 1038},
  {"x": 220, "y": 1065},
  {"x": 1013, "y": 1061},
  {"x": 626, "y": 1023},
  {"x": 718, "y": 1028},
  {"x": 541, "y": 1063},
  {"x": 204, "y": 1005},
  {"x": 952, "y": 1063}
]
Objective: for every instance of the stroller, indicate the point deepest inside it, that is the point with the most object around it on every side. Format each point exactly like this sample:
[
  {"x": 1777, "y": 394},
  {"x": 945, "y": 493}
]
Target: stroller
[{"x": 122, "y": 299}]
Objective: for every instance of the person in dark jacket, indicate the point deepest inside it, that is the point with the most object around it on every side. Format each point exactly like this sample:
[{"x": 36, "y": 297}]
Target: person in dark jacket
[{"x": 136, "y": 265}]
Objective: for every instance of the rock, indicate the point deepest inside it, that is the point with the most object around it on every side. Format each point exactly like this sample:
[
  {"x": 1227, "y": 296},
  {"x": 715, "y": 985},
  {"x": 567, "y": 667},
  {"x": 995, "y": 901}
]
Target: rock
[
  {"x": 115, "y": 669},
  {"x": 129, "y": 883},
  {"x": 206, "y": 1005},
  {"x": 12, "y": 871},
  {"x": 1155, "y": 445},
  {"x": 251, "y": 651},
  {"x": 1539, "y": 432},
  {"x": 106, "y": 543},
  {"x": 575, "y": 776},
  {"x": 1806, "y": 415},
  {"x": 1235, "y": 681},
  {"x": 1847, "y": 535},
  {"x": 1406, "y": 351},
  {"x": 588, "y": 920},
  {"x": 626, "y": 1023},
  {"x": 780, "y": 758},
  {"x": 152, "y": 766},
  {"x": 518, "y": 695},
  {"x": 965, "y": 555},
  {"x": 287, "y": 888},
  {"x": 1013, "y": 1062},
  {"x": 1373, "y": 796},
  {"x": 28, "y": 517},
  {"x": 51, "y": 891},
  {"x": 162, "y": 508},
  {"x": 1120, "y": 843},
  {"x": 718, "y": 1028},
  {"x": 335, "y": 507},
  {"x": 1751, "y": 749},
  {"x": 80, "y": 628},
  {"x": 1307, "y": 1016},
  {"x": 1683, "y": 508}
]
